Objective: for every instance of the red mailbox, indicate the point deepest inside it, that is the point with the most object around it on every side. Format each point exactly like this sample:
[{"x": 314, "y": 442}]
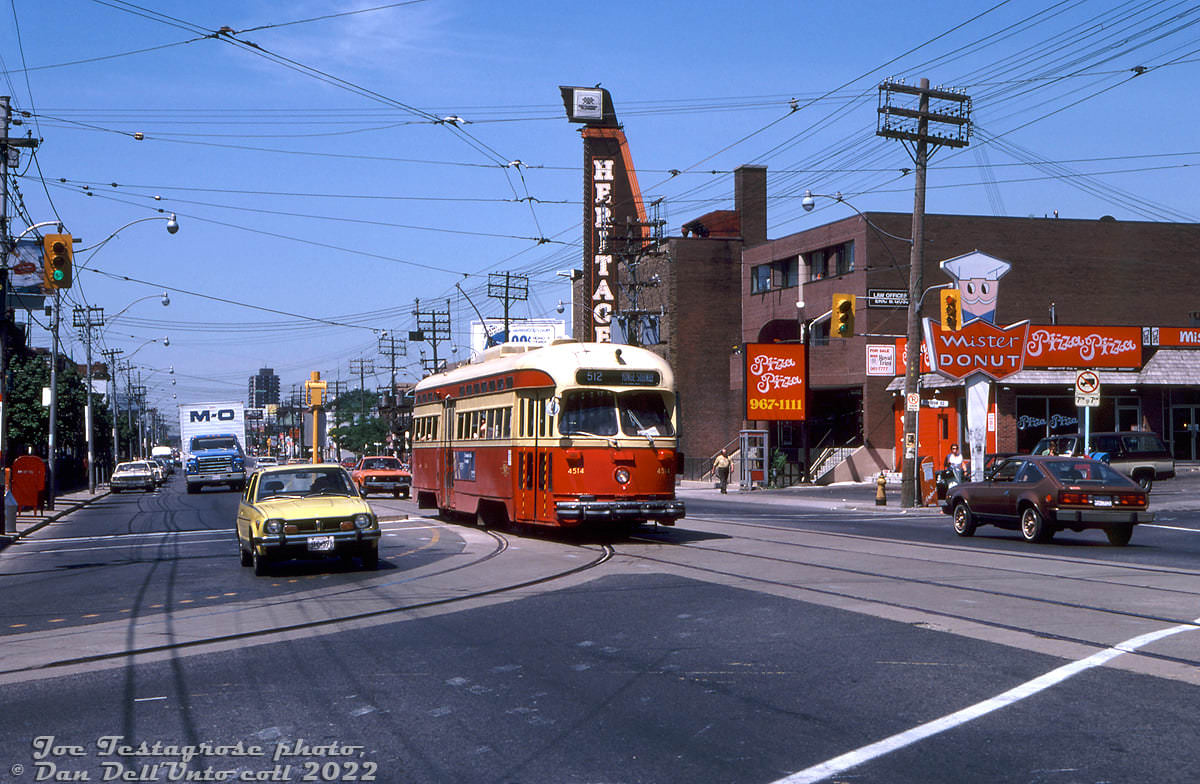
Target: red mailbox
[{"x": 29, "y": 481}]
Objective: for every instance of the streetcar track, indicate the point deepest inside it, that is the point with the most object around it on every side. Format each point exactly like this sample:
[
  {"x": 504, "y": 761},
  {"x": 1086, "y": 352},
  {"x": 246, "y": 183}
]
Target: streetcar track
[
  {"x": 501, "y": 545},
  {"x": 923, "y": 610},
  {"x": 1039, "y": 556},
  {"x": 952, "y": 586}
]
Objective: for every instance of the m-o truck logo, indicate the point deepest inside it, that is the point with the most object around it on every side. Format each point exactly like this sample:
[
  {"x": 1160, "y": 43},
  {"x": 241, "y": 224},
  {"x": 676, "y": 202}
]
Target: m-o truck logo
[{"x": 222, "y": 414}]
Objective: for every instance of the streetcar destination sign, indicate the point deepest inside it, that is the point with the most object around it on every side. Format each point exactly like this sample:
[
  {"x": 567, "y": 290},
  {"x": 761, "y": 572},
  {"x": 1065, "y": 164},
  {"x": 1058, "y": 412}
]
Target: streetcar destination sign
[{"x": 618, "y": 378}]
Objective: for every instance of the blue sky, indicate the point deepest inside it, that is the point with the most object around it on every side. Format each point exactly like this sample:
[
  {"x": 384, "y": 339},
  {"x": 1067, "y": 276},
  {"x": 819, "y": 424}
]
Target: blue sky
[{"x": 319, "y": 191}]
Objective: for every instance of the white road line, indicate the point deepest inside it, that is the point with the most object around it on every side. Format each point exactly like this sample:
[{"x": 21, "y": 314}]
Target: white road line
[
  {"x": 878, "y": 749},
  {"x": 106, "y": 547},
  {"x": 1170, "y": 527},
  {"x": 107, "y": 537}
]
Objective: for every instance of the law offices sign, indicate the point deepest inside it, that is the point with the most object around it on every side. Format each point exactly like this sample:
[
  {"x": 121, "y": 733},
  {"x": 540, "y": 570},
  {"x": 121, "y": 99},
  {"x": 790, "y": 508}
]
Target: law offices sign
[{"x": 775, "y": 382}]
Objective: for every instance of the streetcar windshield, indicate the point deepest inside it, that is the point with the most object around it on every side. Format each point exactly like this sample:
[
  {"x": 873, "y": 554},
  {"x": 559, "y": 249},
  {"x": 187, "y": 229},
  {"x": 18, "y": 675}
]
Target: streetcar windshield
[
  {"x": 588, "y": 411},
  {"x": 644, "y": 413},
  {"x": 641, "y": 412}
]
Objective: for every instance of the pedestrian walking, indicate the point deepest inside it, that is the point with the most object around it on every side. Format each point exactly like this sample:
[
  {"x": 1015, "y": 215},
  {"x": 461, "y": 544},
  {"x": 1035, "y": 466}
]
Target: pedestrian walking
[{"x": 721, "y": 465}]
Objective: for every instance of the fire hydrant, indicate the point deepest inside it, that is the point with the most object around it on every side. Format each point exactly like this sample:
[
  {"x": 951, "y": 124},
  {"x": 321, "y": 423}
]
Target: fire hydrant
[{"x": 880, "y": 492}]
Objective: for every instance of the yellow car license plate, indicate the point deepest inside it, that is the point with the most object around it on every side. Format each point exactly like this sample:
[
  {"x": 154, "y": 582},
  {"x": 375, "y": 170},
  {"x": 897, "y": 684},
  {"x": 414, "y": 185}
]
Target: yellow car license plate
[{"x": 320, "y": 544}]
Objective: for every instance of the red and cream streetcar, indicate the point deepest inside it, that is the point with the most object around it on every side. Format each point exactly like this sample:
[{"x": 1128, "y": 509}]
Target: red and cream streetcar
[{"x": 556, "y": 435}]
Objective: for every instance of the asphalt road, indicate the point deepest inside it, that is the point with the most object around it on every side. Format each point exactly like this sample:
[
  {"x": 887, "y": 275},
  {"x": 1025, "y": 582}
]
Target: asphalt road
[{"x": 791, "y": 635}]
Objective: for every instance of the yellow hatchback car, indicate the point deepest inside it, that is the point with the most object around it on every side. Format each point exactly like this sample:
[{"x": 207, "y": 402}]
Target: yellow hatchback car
[{"x": 304, "y": 511}]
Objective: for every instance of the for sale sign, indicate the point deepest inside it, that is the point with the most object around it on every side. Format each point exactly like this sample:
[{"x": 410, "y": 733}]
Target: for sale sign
[
  {"x": 881, "y": 359},
  {"x": 775, "y": 383}
]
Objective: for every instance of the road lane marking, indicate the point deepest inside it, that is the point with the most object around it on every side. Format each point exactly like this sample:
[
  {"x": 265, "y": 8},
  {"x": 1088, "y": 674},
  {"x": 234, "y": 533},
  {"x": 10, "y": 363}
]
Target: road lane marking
[
  {"x": 106, "y": 541},
  {"x": 886, "y": 746}
]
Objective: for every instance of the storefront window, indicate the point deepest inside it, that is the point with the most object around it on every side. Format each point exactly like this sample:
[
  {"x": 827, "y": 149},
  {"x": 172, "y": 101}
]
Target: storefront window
[{"x": 1038, "y": 417}]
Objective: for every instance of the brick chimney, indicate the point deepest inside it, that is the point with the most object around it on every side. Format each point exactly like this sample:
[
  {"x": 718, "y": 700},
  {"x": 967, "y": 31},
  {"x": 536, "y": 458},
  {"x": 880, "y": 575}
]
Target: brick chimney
[{"x": 750, "y": 202}]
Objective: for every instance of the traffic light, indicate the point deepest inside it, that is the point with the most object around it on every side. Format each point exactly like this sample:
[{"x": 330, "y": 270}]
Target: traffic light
[
  {"x": 951, "y": 310},
  {"x": 843, "y": 315},
  {"x": 57, "y": 259}
]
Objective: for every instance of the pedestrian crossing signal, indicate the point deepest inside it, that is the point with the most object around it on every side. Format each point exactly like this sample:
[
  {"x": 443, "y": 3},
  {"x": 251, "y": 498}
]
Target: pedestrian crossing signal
[{"x": 951, "y": 310}]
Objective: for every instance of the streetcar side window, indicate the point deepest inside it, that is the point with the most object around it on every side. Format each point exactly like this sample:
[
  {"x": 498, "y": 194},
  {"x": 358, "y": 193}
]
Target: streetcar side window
[
  {"x": 531, "y": 418},
  {"x": 525, "y": 417},
  {"x": 644, "y": 412},
  {"x": 426, "y": 428},
  {"x": 591, "y": 411}
]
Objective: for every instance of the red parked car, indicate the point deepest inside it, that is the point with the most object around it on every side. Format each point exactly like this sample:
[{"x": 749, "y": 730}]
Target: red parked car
[
  {"x": 1039, "y": 495},
  {"x": 382, "y": 474}
]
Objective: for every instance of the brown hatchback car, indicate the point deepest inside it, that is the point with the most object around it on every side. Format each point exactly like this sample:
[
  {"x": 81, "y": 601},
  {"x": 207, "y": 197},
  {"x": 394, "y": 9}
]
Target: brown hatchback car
[{"x": 1039, "y": 495}]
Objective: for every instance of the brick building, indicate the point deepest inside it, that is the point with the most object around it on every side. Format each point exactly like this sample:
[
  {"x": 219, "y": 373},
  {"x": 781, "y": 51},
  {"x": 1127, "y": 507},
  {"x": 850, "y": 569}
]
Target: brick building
[
  {"x": 722, "y": 283},
  {"x": 1086, "y": 273}
]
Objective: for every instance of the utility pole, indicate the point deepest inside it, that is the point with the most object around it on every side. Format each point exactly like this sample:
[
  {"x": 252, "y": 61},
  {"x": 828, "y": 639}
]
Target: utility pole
[
  {"x": 110, "y": 358},
  {"x": 139, "y": 392},
  {"x": 433, "y": 327},
  {"x": 638, "y": 246},
  {"x": 365, "y": 366},
  {"x": 51, "y": 487},
  {"x": 337, "y": 388},
  {"x": 507, "y": 288},
  {"x": 897, "y": 122},
  {"x": 391, "y": 348},
  {"x": 6, "y": 148},
  {"x": 388, "y": 347},
  {"x": 86, "y": 320}
]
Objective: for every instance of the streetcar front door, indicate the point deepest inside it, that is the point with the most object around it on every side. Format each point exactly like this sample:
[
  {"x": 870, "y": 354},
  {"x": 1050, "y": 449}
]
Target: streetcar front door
[{"x": 533, "y": 500}]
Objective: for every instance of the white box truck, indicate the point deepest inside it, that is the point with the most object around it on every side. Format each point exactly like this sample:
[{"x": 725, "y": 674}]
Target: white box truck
[{"x": 213, "y": 437}]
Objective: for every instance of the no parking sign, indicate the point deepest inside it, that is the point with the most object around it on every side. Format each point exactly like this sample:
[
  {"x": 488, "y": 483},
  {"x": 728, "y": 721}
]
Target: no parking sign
[{"x": 1087, "y": 389}]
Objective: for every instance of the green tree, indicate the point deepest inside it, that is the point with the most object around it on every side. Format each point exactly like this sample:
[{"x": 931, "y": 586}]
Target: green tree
[
  {"x": 29, "y": 420},
  {"x": 361, "y": 437}
]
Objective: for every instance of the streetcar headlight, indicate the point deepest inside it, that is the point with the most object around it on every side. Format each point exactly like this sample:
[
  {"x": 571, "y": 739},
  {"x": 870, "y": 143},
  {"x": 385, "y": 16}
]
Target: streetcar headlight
[
  {"x": 273, "y": 526},
  {"x": 622, "y": 476},
  {"x": 362, "y": 521}
]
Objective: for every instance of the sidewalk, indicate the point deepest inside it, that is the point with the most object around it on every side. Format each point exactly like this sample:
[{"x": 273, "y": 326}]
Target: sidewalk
[
  {"x": 859, "y": 496},
  {"x": 30, "y": 520}
]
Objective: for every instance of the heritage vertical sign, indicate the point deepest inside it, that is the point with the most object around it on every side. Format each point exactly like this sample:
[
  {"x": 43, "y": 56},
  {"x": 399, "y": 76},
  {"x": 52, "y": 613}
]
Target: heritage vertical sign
[
  {"x": 613, "y": 213},
  {"x": 775, "y": 383},
  {"x": 604, "y": 298}
]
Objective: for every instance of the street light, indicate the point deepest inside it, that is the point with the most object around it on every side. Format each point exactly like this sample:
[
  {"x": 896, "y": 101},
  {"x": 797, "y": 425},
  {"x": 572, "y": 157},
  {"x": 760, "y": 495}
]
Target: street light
[
  {"x": 172, "y": 228},
  {"x": 52, "y": 446},
  {"x": 909, "y": 494},
  {"x": 809, "y": 201},
  {"x": 571, "y": 275},
  {"x": 112, "y": 382},
  {"x": 165, "y": 340},
  {"x": 166, "y": 300}
]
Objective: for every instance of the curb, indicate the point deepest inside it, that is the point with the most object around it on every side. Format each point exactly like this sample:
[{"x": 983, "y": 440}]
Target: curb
[{"x": 6, "y": 539}]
